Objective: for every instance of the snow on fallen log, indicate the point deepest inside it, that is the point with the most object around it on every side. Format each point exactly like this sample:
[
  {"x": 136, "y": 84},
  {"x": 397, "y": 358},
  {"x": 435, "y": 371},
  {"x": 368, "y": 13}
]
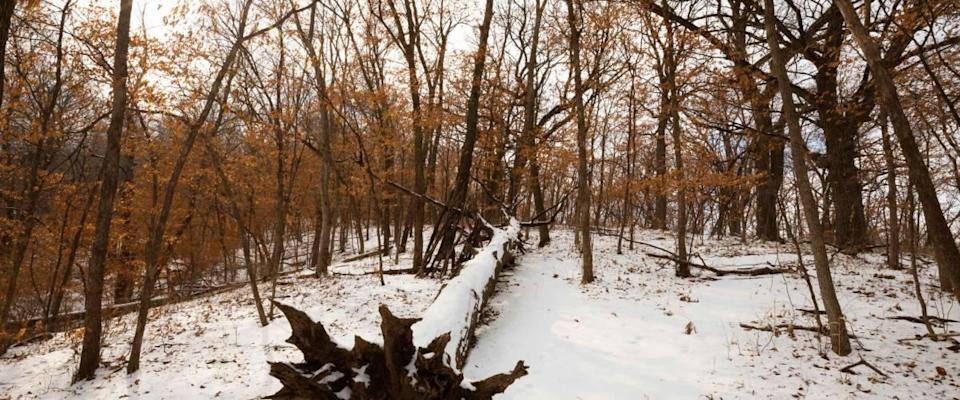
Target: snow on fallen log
[
  {"x": 420, "y": 359},
  {"x": 457, "y": 308}
]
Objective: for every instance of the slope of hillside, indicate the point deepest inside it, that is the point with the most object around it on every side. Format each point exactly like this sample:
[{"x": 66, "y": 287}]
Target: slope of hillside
[{"x": 213, "y": 347}]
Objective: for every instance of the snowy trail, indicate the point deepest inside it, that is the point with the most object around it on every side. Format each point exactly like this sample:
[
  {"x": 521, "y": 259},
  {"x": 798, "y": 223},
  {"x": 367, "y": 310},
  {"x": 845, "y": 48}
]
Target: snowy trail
[
  {"x": 624, "y": 337},
  {"x": 584, "y": 347}
]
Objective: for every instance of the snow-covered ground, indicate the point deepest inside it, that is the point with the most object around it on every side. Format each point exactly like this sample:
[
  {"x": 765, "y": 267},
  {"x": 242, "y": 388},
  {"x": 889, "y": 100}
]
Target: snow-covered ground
[
  {"x": 214, "y": 347},
  {"x": 625, "y": 336},
  {"x": 622, "y": 337}
]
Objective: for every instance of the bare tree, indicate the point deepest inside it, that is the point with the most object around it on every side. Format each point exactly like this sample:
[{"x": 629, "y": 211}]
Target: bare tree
[
  {"x": 945, "y": 249},
  {"x": 92, "y": 326},
  {"x": 583, "y": 180},
  {"x": 838, "y": 331},
  {"x": 194, "y": 129}
]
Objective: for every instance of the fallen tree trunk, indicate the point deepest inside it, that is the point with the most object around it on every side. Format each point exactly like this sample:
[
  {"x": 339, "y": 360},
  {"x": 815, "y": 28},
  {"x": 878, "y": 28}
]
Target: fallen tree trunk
[
  {"x": 419, "y": 358},
  {"x": 788, "y": 328},
  {"x": 457, "y": 308},
  {"x": 721, "y": 272},
  {"x": 916, "y": 320},
  {"x": 361, "y": 256}
]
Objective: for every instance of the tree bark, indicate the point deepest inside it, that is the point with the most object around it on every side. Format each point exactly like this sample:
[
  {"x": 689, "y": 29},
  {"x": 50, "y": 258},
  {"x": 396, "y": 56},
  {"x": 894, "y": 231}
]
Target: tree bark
[
  {"x": 945, "y": 249},
  {"x": 767, "y": 146},
  {"x": 457, "y": 199},
  {"x": 528, "y": 138},
  {"x": 322, "y": 242},
  {"x": 673, "y": 95},
  {"x": 660, "y": 166},
  {"x": 839, "y": 340},
  {"x": 93, "y": 297},
  {"x": 840, "y": 130},
  {"x": 893, "y": 218},
  {"x": 7, "y": 7},
  {"x": 159, "y": 224},
  {"x": 583, "y": 178}
]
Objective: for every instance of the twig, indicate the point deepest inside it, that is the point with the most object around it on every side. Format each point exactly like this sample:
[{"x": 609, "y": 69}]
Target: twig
[
  {"x": 849, "y": 369},
  {"x": 916, "y": 320}
]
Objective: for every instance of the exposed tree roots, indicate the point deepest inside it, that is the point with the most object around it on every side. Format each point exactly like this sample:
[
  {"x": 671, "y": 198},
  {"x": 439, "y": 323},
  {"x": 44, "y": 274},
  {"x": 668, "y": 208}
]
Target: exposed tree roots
[{"x": 397, "y": 370}]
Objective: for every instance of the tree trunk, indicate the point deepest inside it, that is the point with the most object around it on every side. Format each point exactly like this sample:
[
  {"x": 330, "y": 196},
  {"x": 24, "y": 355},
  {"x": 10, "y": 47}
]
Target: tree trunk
[
  {"x": 893, "y": 219},
  {"x": 767, "y": 146},
  {"x": 848, "y": 223},
  {"x": 839, "y": 340},
  {"x": 93, "y": 296},
  {"x": 528, "y": 137},
  {"x": 451, "y": 214},
  {"x": 673, "y": 96},
  {"x": 244, "y": 231},
  {"x": 539, "y": 204},
  {"x": 945, "y": 249},
  {"x": 660, "y": 166},
  {"x": 7, "y": 7},
  {"x": 56, "y": 299},
  {"x": 321, "y": 256},
  {"x": 158, "y": 227},
  {"x": 583, "y": 190}
]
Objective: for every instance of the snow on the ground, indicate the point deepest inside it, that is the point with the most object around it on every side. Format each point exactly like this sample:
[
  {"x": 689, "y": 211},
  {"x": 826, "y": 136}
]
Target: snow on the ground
[
  {"x": 622, "y": 337},
  {"x": 214, "y": 347},
  {"x": 625, "y": 336}
]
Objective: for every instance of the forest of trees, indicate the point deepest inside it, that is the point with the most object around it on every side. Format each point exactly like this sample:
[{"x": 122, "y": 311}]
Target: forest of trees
[{"x": 138, "y": 163}]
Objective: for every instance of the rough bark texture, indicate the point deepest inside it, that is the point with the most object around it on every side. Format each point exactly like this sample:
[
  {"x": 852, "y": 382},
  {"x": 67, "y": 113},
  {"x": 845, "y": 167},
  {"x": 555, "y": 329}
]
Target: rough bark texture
[
  {"x": 446, "y": 230},
  {"x": 7, "y": 7},
  {"x": 839, "y": 340},
  {"x": 583, "y": 177},
  {"x": 93, "y": 299},
  {"x": 945, "y": 249},
  {"x": 840, "y": 127}
]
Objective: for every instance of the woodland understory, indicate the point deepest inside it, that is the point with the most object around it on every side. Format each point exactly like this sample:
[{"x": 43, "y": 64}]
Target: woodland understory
[{"x": 438, "y": 155}]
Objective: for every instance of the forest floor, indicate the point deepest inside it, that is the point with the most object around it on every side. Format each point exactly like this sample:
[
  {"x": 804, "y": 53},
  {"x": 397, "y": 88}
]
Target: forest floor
[
  {"x": 214, "y": 347},
  {"x": 626, "y": 335},
  {"x": 623, "y": 337}
]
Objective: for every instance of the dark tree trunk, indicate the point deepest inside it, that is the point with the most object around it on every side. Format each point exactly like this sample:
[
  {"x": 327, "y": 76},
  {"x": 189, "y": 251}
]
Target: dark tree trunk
[
  {"x": 893, "y": 218},
  {"x": 660, "y": 167},
  {"x": 767, "y": 146},
  {"x": 7, "y": 7},
  {"x": 848, "y": 224},
  {"x": 583, "y": 177},
  {"x": 945, "y": 249},
  {"x": 93, "y": 299},
  {"x": 159, "y": 223},
  {"x": 839, "y": 340},
  {"x": 450, "y": 217}
]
